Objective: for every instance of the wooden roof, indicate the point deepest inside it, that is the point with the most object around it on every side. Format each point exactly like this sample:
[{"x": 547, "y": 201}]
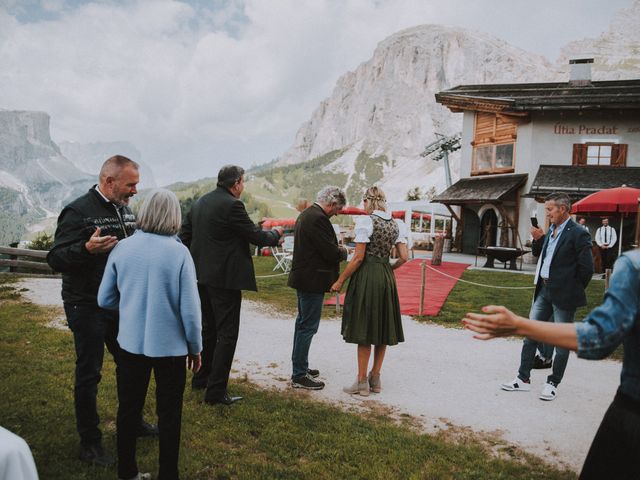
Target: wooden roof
[
  {"x": 580, "y": 181},
  {"x": 481, "y": 189},
  {"x": 520, "y": 98}
]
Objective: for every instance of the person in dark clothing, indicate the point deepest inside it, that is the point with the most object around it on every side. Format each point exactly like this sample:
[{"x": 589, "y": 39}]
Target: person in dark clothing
[
  {"x": 314, "y": 268},
  {"x": 218, "y": 231},
  {"x": 88, "y": 229}
]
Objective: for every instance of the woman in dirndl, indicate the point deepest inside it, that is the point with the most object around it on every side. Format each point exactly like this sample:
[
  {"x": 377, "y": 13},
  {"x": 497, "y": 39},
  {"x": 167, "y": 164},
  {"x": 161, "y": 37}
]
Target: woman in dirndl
[{"x": 371, "y": 314}]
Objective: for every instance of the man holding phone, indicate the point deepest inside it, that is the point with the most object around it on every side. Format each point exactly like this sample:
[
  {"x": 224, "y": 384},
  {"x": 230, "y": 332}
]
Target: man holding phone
[
  {"x": 565, "y": 256},
  {"x": 88, "y": 229}
]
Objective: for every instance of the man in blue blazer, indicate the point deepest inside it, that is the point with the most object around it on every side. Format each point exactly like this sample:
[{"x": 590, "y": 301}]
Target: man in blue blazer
[
  {"x": 564, "y": 271},
  {"x": 218, "y": 231}
]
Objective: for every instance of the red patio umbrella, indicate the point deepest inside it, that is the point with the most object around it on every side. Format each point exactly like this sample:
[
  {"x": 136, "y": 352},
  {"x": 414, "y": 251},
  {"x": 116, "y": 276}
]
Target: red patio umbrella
[{"x": 622, "y": 200}]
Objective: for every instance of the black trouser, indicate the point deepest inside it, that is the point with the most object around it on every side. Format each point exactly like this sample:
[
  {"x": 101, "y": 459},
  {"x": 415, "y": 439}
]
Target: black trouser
[
  {"x": 133, "y": 380},
  {"x": 608, "y": 256},
  {"x": 614, "y": 451},
  {"x": 220, "y": 326},
  {"x": 92, "y": 328}
]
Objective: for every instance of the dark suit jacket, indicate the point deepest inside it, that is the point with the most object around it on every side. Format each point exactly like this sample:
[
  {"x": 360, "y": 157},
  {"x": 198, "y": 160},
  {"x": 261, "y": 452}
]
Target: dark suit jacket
[
  {"x": 571, "y": 266},
  {"x": 316, "y": 254},
  {"x": 218, "y": 230}
]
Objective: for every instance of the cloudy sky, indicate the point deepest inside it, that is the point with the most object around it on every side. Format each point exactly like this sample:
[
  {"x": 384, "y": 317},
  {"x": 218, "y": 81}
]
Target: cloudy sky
[{"x": 195, "y": 84}]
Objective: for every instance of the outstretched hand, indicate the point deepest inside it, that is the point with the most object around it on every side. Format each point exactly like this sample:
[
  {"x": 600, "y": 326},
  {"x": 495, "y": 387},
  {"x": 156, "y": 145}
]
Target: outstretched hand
[
  {"x": 97, "y": 244},
  {"x": 496, "y": 321}
]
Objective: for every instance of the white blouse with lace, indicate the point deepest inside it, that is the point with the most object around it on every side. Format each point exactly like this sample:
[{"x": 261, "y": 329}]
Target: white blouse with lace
[{"x": 364, "y": 227}]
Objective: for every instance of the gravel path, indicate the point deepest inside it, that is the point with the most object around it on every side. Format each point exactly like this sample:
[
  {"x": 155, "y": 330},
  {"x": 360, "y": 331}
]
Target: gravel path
[{"x": 440, "y": 376}]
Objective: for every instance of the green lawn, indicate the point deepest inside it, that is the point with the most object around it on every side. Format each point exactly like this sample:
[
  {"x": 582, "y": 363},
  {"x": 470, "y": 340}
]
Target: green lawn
[{"x": 270, "y": 435}]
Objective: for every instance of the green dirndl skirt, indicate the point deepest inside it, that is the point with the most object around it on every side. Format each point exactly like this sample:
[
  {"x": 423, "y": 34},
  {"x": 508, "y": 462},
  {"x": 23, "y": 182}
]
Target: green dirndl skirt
[{"x": 371, "y": 314}]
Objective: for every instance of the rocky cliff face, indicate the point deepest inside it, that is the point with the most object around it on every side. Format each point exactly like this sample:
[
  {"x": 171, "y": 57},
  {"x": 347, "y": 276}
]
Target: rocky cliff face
[
  {"x": 33, "y": 166},
  {"x": 616, "y": 52},
  {"x": 386, "y": 107},
  {"x": 36, "y": 180}
]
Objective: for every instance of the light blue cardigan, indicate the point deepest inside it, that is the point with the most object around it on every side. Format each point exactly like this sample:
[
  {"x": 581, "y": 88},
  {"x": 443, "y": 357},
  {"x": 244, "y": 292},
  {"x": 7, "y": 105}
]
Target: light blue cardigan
[{"x": 151, "y": 279}]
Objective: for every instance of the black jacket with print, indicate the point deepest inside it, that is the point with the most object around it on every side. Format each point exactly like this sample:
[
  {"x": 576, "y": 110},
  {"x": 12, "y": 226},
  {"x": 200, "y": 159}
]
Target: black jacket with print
[{"x": 81, "y": 271}]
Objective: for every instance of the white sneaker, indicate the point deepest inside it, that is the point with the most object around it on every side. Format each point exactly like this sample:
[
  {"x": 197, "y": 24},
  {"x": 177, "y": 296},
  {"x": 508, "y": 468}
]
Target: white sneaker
[
  {"x": 140, "y": 476},
  {"x": 549, "y": 392},
  {"x": 516, "y": 385}
]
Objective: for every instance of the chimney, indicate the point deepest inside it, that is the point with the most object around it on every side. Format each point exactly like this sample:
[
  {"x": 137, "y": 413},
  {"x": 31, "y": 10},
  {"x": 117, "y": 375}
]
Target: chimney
[{"x": 580, "y": 72}]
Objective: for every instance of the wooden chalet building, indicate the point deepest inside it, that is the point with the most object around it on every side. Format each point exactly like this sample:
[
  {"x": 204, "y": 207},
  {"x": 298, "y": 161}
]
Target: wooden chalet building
[{"x": 521, "y": 142}]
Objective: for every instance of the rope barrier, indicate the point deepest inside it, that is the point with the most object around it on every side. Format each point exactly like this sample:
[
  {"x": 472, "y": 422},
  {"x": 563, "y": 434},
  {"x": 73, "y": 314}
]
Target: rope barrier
[
  {"x": 477, "y": 284},
  {"x": 270, "y": 276}
]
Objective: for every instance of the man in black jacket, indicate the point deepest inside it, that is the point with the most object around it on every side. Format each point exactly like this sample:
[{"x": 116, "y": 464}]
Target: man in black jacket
[
  {"x": 315, "y": 267},
  {"x": 218, "y": 231},
  {"x": 564, "y": 270},
  {"x": 88, "y": 229}
]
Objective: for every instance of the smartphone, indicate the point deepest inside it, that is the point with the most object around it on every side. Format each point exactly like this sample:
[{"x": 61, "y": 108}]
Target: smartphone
[{"x": 534, "y": 222}]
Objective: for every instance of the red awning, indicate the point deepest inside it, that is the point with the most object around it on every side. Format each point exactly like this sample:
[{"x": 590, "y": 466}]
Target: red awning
[
  {"x": 414, "y": 215},
  {"x": 278, "y": 222},
  {"x": 352, "y": 211}
]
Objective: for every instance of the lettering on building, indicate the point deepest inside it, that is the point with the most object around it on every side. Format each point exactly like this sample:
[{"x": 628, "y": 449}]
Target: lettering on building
[{"x": 562, "y": 129}]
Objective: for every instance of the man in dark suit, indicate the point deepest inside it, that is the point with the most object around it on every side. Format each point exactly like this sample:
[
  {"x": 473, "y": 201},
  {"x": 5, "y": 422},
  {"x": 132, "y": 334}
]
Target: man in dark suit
[
  {"x": 218, "y": 231},
  {"x": 564, "y": 271},
  {"x": 315, "y": 267}
]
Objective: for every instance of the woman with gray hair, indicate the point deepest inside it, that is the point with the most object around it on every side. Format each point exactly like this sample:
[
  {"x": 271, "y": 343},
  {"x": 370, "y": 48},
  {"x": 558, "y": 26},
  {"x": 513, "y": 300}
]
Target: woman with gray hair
[
  {"x": 150, "y": 278},
  {"x": 371, "y": 314}
]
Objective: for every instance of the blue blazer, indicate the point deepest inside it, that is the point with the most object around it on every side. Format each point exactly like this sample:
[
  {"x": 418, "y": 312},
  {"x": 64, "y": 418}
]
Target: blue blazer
[{"x": 571, "y": 266}]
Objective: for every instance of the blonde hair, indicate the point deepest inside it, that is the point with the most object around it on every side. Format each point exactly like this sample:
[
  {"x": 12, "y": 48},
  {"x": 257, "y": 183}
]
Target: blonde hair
[
  {"x": 376, "y": 199},
  {"x": 160, "y": 213}
]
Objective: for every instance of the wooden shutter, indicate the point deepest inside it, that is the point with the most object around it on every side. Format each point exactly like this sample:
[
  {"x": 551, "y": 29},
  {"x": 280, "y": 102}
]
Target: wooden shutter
[
  {"x": 506, "y": 128},
  {"x": 619, "y": 155},
  {"x": 579, "y": 154},
  {"x": 485, "y": 127}
]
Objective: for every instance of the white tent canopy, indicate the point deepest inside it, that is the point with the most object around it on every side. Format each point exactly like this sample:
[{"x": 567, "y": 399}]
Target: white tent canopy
[{"x": 421, "y": 206}]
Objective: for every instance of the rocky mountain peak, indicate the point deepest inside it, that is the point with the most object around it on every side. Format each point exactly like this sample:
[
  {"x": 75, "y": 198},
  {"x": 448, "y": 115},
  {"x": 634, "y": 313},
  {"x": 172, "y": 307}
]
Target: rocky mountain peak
[
  {"x": 616, "y": 52},
  {"x": 386, "y": 108}
]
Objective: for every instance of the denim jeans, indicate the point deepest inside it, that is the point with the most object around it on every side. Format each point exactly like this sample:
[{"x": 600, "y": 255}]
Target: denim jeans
[
  {"x": 133, "y": 380},
  {"x": 92, "y": 328},
  {"x": 543, "y": 309},
  {"x": 307, "y": 322}
]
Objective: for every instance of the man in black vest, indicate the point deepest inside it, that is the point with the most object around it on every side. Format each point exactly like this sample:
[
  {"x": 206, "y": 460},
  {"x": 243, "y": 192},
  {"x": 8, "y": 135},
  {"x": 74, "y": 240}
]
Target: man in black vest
[
  {"x": 315, "y": 267},
  {"x": 564, "y": 271},
  {"x": 606, "y": 238},
  {"x": 218, "y": 231},
  {"x": 88, "y": 229}
]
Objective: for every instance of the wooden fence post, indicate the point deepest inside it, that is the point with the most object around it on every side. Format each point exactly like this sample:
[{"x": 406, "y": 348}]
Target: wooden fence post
[
  {"x": 436, "y": 256},
  {"x": 423, "y": 277}
]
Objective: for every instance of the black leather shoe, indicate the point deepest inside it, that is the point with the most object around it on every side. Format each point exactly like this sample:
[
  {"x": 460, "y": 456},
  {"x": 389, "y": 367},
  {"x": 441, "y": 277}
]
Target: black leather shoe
[
  {"x": 147, "y": 430},
  {"x": 540, "y": 364},
  {"x": 95, "y": 455},
  {"x": 224, "y": 400},
  {"x": 313, "y": 373}
]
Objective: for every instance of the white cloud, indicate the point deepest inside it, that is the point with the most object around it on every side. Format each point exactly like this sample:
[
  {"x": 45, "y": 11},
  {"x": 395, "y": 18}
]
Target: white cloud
[{"x": 197, "y": 84}]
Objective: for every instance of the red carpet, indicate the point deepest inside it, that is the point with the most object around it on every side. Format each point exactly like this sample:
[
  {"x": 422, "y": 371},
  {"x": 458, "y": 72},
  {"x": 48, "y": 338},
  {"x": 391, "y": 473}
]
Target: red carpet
[{"x": 436, "y": 290}]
